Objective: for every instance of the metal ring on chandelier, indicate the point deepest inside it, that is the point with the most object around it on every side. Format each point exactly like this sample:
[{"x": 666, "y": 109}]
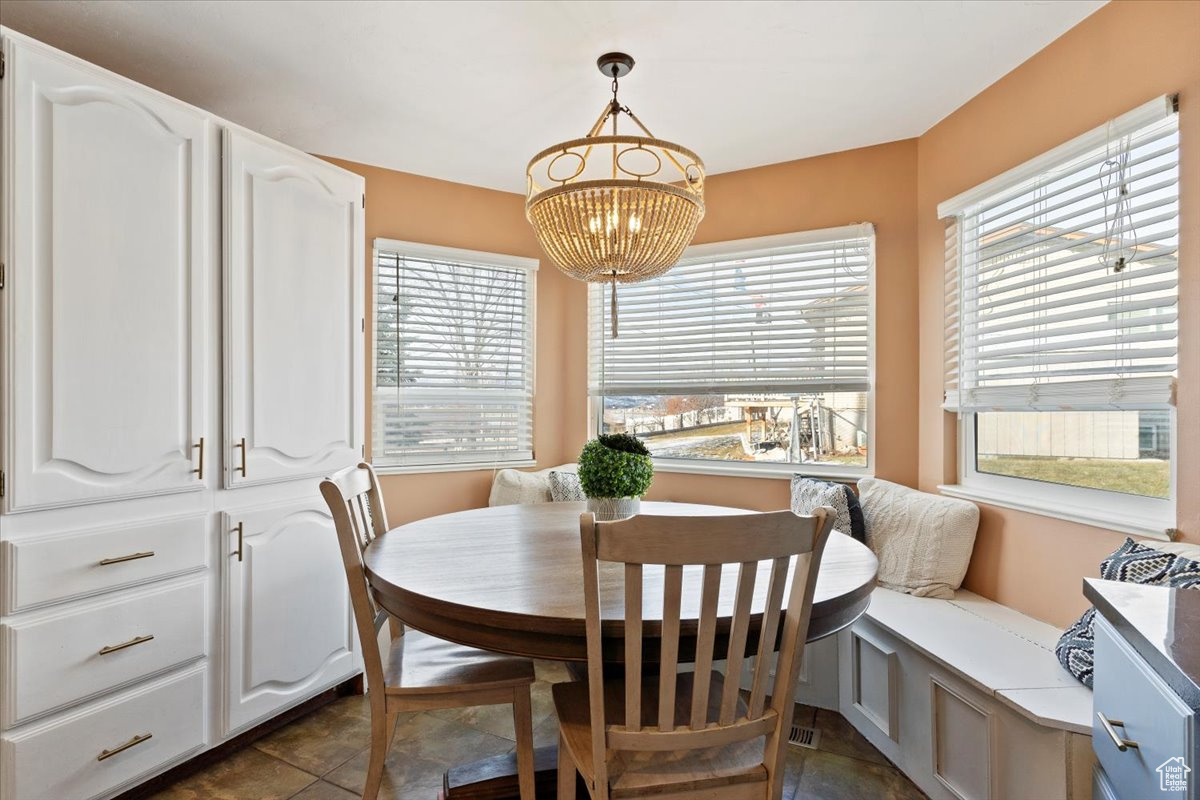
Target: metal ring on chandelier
[
  {"x": 578, "y": 171},
  {"x": 639, "y": 149},
  {"x": 597, "y": 141}
]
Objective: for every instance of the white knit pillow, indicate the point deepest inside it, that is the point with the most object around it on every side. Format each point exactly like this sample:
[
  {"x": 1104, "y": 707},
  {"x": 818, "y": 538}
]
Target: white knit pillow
[
  {"x": 923, "y": 541},
  {"x": 512, "y": 486}
]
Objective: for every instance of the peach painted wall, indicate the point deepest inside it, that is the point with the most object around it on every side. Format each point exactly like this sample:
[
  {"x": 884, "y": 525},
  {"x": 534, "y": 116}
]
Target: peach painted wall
[
  {"x": 1121, "y": 56},
  {"x": 1030, "y": 562},
  {"x": 418, "y": 209},
  {"x": 871, "y": 184},
  {"x": 874, "y": 184}
]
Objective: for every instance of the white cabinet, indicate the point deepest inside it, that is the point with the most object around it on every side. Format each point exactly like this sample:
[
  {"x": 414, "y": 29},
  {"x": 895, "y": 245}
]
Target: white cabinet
[
  {"x": 81, "y": 652},
  {"x": 109, "y": 746},
  {"x": 129, "y": 358},
  {"x": 288, "y": 629},
  {"x": 293, "y": 313},
  {"x": 65, "y": 565},
  {"x": 108, "y": 260}
]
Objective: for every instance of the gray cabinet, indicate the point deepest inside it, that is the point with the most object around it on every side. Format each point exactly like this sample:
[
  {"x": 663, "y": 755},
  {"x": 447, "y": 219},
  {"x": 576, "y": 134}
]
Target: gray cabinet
[{"x": 1143, "y": 734}]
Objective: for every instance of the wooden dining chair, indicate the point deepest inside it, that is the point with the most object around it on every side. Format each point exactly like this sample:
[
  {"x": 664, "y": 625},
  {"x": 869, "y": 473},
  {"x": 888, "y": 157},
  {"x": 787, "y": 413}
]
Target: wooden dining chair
[
  {"x": 419, "y": 672},
  {"x": 690, "y": 734}
]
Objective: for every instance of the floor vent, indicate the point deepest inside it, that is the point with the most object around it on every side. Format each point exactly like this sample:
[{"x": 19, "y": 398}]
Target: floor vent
[{"x": 803, "y": 736}]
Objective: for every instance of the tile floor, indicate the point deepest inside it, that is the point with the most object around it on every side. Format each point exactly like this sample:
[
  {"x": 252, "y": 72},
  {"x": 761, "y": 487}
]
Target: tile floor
[{"x": 323, "y": 756}]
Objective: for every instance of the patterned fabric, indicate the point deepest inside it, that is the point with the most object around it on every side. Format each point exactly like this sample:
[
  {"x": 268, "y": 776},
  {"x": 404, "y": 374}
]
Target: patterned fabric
[
  {"x": 923, "y": 541},
  {"x": 1075, "y": 647},
  {"x": 1130, "y": 563},
  {"x": 565, "y": 487},
  {"x": 809, "y": 494},
  {"x": 1136, "y": 563}
]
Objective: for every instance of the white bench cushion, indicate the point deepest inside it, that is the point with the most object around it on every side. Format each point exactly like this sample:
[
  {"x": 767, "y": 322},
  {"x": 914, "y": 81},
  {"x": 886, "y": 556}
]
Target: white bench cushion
[{"x": 995, "y": 649}]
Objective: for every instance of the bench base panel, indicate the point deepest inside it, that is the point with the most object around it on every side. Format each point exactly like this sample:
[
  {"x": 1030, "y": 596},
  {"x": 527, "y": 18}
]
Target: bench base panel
[{"x": 952, "y": 740}]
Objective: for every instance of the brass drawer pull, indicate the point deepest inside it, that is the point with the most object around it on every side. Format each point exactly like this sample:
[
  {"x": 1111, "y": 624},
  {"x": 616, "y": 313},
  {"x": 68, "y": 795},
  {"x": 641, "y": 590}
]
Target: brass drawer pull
[
  {"x": 136, "y": 740},
  {"x": 199, "y": 470},
  {"x": 240, "y": 535},
  {"x": 241, "y": 445},
  {"x": 112, "y": 648},
  {"x": 1110, "y": 727},
  {"x": 122, "y": 559}
]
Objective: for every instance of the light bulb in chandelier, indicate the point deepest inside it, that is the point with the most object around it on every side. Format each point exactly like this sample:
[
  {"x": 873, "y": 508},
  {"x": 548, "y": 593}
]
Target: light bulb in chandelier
[{"x": 611, "y": 223}]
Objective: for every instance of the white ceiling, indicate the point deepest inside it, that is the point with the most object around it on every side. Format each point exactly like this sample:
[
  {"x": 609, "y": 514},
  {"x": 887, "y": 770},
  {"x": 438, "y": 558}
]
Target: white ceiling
[{"x": 468, "y": 91}]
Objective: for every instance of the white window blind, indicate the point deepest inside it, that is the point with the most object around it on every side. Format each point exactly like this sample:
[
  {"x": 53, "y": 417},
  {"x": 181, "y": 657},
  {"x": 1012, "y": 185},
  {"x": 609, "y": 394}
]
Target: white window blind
[
  {"x": 1062, "y": 276},
  {"x": 782, "y": 314},
  {"x": 952, "y": 300},
  {"x": 453, "y": 357}
]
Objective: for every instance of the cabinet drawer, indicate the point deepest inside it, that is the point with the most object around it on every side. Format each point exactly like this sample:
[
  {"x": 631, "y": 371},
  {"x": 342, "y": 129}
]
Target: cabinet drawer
[
  {"x": 63, "y": 759},
  {"x": 1127, "y": 690},
  {"x": 62, "y": 658},
  {"x": 73, "y": 565}
]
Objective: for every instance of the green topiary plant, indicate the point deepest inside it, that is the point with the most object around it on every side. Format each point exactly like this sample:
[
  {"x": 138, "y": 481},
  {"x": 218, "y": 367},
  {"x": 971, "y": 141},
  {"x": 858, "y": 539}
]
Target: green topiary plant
[{"x": 615, "y": 465}]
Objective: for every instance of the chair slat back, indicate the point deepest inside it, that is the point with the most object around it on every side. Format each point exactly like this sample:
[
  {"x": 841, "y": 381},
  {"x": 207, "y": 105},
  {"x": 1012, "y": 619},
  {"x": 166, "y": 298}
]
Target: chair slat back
[
  {"x": 356, "y": 503},
  {"x": 746, "y": 566}
]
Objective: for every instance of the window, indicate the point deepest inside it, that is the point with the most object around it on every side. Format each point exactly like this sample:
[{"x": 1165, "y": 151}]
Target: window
[
  {"x": 1061, "y": 328},
  {"x": 453, "y": 358},
  {"x": 748, "y": 355}
]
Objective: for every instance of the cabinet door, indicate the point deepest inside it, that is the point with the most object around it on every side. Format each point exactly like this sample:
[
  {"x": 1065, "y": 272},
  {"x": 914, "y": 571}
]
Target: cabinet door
[
  {"x": 1147, "y": 711},
  {"x": 287, "y": 627},
  {"x": 294, "y": 319},
  {"x": 109, "y": 256}
]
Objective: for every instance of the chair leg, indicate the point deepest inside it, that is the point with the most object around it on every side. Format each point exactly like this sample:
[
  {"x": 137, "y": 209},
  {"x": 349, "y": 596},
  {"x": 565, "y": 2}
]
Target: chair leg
[
  {"x": 776, "y": 758},
  {"x": 523, "y": 723},
  {"x": 379, "y": 749},
  {"x": 566, "y": 772},
  {"x": 392, "y": 720}
]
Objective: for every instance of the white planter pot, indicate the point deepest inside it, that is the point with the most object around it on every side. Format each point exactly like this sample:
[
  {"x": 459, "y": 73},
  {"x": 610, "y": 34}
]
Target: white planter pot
[{"x": 608, "y": 509}]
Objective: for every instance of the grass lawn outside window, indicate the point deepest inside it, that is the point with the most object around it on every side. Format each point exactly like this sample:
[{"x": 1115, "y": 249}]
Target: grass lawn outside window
[{"x": 1146, "y": 477}]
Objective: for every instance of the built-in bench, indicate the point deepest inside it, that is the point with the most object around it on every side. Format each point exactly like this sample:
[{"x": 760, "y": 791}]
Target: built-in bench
[{"x": 964, "y": 695}]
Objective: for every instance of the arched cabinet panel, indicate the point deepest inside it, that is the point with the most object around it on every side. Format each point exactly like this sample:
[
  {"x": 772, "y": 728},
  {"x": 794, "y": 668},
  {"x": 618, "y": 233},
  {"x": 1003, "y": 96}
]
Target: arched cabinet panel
[
  {"x": 287, "y": 623},
  {"x": 111, "y": 252},
  {"x": 293, "y": 314}
]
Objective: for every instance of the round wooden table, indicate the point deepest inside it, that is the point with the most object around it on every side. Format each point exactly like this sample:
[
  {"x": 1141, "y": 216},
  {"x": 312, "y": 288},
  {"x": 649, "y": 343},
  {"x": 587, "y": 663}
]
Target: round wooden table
[{"x": 510, "y": 579}]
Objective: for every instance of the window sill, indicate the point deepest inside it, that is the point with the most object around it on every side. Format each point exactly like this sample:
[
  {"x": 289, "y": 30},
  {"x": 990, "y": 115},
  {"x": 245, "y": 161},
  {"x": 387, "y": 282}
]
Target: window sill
[
  {"x": 416, "y": 469},
  {"x": 1099, "y": 518},
  {"x": 771, "y": 471}
]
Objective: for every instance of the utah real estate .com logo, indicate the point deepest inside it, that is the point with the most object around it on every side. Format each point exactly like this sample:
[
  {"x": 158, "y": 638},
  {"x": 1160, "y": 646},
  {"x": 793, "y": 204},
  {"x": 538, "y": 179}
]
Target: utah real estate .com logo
[{"x": 1172, "y": 775}]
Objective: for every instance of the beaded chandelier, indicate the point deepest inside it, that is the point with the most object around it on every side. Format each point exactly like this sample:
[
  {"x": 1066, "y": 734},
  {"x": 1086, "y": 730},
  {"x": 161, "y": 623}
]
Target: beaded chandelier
[{"x": 615, "y": 207}]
